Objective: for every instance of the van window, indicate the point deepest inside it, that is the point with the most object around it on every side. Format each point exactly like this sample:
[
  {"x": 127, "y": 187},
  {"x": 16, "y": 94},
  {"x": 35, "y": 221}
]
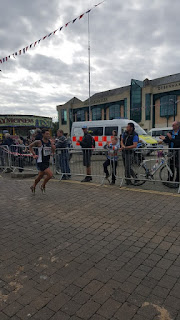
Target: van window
[
  {"x": 109, "y": 130},
  {"x": 77, "y": 132},
  {"x": 165, "y": 132},
  {"x": 155, "y": 133},
  {"x": 96, "y": 131}
]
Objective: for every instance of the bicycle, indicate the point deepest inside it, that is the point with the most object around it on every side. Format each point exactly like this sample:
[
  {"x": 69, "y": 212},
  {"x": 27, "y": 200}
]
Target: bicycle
[{"x": 141, "y": 173}]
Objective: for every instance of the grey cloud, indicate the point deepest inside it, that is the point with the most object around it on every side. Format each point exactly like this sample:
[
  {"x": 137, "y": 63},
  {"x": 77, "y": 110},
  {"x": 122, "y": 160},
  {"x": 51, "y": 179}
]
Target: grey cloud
[{"x": 129, "y": 39}]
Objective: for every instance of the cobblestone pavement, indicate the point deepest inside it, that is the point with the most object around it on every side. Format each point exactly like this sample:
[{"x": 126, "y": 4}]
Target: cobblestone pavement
[{"x": 88, "y": 252}]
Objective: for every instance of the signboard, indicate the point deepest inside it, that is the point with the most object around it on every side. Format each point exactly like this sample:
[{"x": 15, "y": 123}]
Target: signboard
[
  {"x": 94, "y": 102},
  {"x": 172, "y": 86},
  {"x": 25, "y": 121}
]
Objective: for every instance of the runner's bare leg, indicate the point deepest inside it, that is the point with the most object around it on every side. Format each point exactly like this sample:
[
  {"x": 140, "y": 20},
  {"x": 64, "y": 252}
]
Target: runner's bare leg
[
  {"x": 39, "y": 177},
  {"x": 49, "y": 175}
]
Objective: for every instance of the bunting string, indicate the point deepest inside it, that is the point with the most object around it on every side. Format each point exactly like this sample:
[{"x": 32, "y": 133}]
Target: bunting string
[{"x": 33, "y": 44}]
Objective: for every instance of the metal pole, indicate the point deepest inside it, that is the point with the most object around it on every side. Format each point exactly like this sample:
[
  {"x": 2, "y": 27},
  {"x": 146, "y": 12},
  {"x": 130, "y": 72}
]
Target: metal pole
[{"x": 89, "y": 58}]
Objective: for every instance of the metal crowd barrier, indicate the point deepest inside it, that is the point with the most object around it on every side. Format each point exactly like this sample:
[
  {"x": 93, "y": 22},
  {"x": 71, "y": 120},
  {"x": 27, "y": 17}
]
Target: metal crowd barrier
[
  {"x": 73, "y": 162},
  {"x": 4, "y": 158},
  {"x": 135, "y": 167},
  {"x": 21, "y": 159},
  {"x": 157, "y": 165}
]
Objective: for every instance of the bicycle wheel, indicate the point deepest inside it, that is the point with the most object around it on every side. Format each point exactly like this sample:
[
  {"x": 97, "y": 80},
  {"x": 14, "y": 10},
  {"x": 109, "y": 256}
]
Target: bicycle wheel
[
  {"x": 164, "y": 175},
  {"x": 138, "y": 174}
]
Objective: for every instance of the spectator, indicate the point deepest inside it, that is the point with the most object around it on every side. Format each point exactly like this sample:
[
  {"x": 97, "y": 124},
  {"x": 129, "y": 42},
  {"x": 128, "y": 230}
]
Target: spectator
[
  {"x": 86, "y": 145},
  {"x": 114, "y": 133},
  {"x": 173, "y": 141},
  {"x": 129, "y": 142},
  {"x": 21, "y": 148},
  {"x": 61, "y": 143},
  {"x": 112, "y": 158},
  {"x": 38, "y": 134},
  {"x": 8, "y": 141},
  {"x": 1, "y": 155}
]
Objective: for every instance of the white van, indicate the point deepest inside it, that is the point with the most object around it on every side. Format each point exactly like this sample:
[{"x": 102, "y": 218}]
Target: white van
[
  {"x": 157, "y": 132},
  {"x": 102, "y": 132}
]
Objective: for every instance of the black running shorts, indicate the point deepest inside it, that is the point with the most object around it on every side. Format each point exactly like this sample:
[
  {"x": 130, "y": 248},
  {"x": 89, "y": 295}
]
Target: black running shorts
[{"x": 42, "y": 166}]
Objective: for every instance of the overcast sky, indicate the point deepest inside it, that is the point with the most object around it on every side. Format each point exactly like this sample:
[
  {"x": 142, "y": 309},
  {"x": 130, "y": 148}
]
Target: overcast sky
[{"x": 129, "y": 39}]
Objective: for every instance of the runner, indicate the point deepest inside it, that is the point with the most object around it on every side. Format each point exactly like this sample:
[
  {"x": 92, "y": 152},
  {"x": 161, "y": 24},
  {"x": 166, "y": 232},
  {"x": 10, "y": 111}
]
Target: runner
[{"x": 45, "y": 147}]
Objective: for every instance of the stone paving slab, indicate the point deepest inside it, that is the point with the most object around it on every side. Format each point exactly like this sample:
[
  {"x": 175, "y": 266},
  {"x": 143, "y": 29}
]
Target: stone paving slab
[{"x": 88, "y": 252}]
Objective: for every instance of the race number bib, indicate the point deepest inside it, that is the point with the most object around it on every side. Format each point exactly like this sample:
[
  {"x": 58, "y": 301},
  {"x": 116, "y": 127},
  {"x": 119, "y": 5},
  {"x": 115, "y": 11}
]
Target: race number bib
[{"x": 46, "y": 151}]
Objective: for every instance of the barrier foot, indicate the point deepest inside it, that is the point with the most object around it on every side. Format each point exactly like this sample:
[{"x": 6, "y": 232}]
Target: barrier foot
[
  {"x": 121, "y": 183},
  {"x": 104, "y": 178},
  {"x": 61, "y": 177}
]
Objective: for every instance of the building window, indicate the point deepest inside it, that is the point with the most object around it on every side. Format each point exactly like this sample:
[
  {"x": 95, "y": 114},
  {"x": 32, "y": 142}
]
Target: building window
[
  {"x": 63, "y": 116},
  {"x": 168, "y": 106},
  {"x": 125, "y": 108},
  {"x": 148, "y": 106},
  {"x": 136, "y": 100},
  {"x": 96, "y": 114},
  {"x": 81, "y": 115},
  {"x": 114, "y": 112}
]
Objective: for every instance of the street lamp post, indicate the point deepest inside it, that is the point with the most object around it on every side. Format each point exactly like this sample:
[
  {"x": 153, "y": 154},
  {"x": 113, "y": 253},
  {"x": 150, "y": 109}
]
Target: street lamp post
[{"x": 89, "y": 60}]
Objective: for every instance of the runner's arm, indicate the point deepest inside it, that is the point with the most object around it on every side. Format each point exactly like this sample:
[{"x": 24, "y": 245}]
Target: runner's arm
[{"x": 34, "y": 144}]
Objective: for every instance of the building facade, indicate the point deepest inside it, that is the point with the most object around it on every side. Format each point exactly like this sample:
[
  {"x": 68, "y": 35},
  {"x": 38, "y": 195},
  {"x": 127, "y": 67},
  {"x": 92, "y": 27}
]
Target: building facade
[{"x": 151, "y": 103}]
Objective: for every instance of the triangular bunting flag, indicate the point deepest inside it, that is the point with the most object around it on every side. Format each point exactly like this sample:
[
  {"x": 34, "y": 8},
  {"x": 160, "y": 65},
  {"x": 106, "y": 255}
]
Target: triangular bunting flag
[
  {"x": 51, "y": 33},
  {"x": 96, "y": 5}
]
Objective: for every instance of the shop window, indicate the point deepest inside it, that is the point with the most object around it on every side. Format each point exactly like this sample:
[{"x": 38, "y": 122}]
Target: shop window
[
  {"x": 125, "y": 108},
  {"x": 136, "y": 100},
  {"x": 114, "y": 112},
  {"x": 63, "y": 116},
  {"x": 168, "y": 106},
  {"x": 81, "y": 115},
  {"x": 148, "y": 106},
  {"x": 96, "y": 114}
]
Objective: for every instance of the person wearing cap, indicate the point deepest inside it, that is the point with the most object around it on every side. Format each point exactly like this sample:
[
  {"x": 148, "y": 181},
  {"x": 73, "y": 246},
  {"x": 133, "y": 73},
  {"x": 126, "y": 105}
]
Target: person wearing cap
[{"x": 86, "y": 145}]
